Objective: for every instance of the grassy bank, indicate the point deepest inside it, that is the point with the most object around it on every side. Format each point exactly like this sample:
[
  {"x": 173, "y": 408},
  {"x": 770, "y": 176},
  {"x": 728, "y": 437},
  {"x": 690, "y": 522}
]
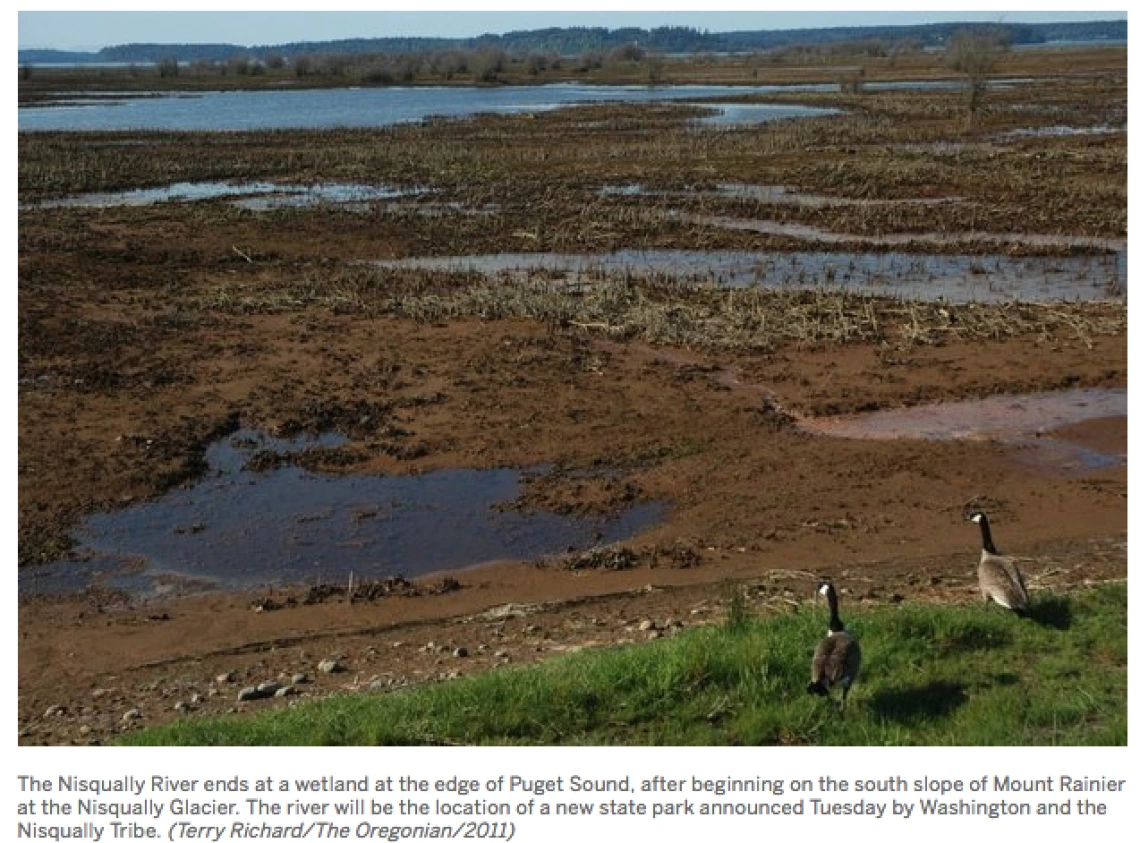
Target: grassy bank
[{"x": 932, "y": 675}]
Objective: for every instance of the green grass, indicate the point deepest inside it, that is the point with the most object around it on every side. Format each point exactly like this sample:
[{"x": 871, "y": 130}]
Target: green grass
[{"x": 932, "y": 675}]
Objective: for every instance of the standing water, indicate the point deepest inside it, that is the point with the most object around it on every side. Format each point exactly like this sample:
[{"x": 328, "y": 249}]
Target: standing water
[{"x": 238, "y": 528}]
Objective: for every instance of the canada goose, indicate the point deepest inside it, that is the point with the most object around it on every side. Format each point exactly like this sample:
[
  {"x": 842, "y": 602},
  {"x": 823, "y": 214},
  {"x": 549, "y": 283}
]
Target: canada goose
[
  {"x": 998, "y": 575},
  {"x": 837, "y": 657}
]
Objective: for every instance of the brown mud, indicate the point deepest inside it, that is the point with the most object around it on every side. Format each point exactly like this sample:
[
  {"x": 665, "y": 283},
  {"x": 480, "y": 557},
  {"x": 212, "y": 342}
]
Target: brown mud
[
  {"x": 148, "y": 333},
  {"x": 749, "y": 495}
]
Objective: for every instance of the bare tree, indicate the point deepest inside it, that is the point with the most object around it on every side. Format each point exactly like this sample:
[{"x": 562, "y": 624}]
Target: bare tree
[
  {"x": 487, "y": 64},
  {"x": 974, "y": 53}
]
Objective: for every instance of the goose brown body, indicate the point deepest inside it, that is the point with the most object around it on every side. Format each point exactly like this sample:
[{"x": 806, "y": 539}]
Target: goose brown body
[
  {"x": 998, "y": 575},
  {"x": 838, "y": 656}
]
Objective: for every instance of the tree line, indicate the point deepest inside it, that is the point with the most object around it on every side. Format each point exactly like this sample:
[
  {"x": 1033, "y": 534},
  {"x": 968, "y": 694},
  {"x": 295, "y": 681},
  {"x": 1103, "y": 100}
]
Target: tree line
[{"x": 576, "y": 41}]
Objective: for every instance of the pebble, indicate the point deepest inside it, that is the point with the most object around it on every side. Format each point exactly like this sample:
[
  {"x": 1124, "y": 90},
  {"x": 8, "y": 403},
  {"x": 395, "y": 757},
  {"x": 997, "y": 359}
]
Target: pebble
[
  {"x": 330, "y": 666},
  {"x": 131, "y": 714},
  {"x": 258, "y": 692},
  {"x": 460, "y": 652}
]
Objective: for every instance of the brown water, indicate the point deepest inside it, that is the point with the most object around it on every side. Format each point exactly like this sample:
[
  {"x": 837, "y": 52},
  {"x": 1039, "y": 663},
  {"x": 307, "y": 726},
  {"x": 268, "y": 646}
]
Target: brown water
[
  {"x": 989, "y": 418},
  {"x": 1024, "y": 420}
]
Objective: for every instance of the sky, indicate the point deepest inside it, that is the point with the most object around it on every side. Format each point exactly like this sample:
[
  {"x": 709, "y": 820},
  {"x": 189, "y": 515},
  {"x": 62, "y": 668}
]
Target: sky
[{"x": 74, "y": 29}]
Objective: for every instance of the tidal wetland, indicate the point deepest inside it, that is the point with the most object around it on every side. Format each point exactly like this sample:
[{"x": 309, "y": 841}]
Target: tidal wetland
[{"x": 476, "y": 385}]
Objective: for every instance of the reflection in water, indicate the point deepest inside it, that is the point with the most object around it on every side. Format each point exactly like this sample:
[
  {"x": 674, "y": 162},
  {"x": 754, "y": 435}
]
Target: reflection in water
[
  {"x": 374, "y": 107},
  {"x": 240, "y": 528},
  {"x": 952, "y": 278},
  {"x": 265, "y": 195}
]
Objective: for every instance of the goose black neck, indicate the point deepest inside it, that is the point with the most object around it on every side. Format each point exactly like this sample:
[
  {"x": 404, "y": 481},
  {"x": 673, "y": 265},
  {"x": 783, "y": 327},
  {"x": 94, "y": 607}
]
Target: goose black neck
[
  {"x": 987, "y": 539},
  {"x": 834, "y": 624}
]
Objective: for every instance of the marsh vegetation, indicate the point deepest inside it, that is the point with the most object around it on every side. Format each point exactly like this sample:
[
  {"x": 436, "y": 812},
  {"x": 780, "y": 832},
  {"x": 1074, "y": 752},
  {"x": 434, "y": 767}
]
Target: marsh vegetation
[{"x": 151, "y": 330}]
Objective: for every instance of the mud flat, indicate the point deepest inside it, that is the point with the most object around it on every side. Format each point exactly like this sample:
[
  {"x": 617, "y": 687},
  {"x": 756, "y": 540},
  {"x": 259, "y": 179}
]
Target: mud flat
[{"x": 648, "y": 389}]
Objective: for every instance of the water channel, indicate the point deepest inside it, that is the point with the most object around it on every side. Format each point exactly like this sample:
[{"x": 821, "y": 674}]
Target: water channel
[{"x": 372, "y": 107}]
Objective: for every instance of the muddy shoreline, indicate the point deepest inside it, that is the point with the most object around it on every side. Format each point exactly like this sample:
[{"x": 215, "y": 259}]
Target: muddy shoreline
[
  {"x": 150, "y": 333},
  {"x": 750, "y": 495}
]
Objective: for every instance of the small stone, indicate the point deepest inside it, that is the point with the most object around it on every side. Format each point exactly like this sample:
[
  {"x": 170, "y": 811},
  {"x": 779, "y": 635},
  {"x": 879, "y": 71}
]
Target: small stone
[
  {"x": 646, "y": 626},
  {"x": 301, "y": 678},
  {"x": 460, "y": 652},
  {"x": 285, "y": 691},
  {"x": 257, "y": 692},
  {"x": 131, "y": 714},
  {"x": 330, "y": 666},
  {"x": 181, "y": 707},
  {"x": 223, "y": 678},
  {"x": 55, "y": 711}
]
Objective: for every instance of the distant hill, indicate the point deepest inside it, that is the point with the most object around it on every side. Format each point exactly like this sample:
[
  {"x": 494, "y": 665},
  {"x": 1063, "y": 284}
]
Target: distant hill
[{"x": 577, "y": 40}]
